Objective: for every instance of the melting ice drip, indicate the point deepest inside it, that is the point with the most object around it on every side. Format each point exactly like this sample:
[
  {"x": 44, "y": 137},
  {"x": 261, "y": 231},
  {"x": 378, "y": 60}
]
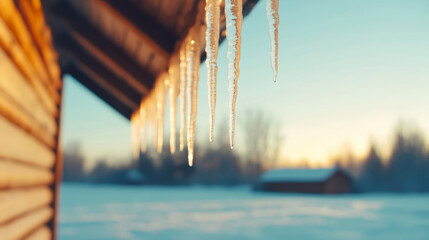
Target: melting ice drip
[{"x": 181, "y": 80}]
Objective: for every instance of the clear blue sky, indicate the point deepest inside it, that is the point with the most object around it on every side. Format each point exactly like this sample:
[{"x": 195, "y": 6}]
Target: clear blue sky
[{"x": 348, "y": 72}]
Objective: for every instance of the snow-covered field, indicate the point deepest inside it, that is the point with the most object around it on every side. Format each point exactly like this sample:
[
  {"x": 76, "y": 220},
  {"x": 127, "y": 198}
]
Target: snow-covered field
[{"x": 115, "y": 212}]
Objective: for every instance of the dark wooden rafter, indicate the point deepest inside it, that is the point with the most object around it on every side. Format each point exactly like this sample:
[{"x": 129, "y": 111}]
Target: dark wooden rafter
[
  {"x": 102, "y": 47},
  {"x": 104, "y": 77},
  {"x": 147, "y": 28},
  {"x": 101, "y": 92}
]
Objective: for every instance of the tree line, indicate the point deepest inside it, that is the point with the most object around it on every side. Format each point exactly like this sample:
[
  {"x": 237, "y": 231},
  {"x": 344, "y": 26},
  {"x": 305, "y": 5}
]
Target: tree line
[
  {"x": 215, "y": 163},
  {"x": 406, "y": 169}
]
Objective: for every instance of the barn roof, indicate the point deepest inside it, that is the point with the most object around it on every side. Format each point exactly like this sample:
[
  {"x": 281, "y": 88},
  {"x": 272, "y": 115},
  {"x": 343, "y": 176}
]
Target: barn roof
[
  {"x": 298, "y": 174},
  {"x": 117, "y": 48}
]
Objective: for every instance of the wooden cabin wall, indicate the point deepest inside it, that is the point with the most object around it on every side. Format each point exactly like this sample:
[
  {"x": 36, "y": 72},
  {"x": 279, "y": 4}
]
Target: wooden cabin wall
[{"x": 30, "y": 105}]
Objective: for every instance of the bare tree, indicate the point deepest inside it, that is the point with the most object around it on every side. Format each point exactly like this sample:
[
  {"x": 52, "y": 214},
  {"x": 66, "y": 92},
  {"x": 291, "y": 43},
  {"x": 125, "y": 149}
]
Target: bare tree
[{"x": 263, "y": 140}]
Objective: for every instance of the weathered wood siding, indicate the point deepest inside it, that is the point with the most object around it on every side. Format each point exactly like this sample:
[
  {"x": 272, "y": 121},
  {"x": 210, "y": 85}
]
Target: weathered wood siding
[{"x": 30, "y": 100}]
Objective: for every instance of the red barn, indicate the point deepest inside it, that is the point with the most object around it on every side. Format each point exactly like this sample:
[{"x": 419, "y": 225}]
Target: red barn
[{"x": 304, "y": 180}]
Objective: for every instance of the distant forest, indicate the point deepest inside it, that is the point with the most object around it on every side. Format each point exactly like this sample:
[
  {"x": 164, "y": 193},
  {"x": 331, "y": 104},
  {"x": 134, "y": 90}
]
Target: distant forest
[
  {"x": 406, "y": 169},
  {"x": 215, "y": 163}
]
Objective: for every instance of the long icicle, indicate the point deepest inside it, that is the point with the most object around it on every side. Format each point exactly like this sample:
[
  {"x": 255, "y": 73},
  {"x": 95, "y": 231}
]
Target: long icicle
[
  {"x": 183, "y": 67},
  {"x": 189, "y": 81},
  {"x": 135, "y": 135},
  {"x": 212, "y": 42},
  {"x": 234, "y": 19},
  {"x": 272, "y": 7},
  {"x": 192, "y": 92},
  {"x": 161, "y": 94},
  {"x": 143, "y": 129},
  {"x": 173, "y": 92}
]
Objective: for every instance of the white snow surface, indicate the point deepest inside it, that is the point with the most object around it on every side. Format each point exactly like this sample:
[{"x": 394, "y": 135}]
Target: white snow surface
[{"x": 116, "y": 212}]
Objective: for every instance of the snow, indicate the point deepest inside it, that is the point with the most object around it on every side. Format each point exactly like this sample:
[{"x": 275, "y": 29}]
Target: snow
[
  {"x": 297, "y": 174},
  {"x": 114, "y": 212}
]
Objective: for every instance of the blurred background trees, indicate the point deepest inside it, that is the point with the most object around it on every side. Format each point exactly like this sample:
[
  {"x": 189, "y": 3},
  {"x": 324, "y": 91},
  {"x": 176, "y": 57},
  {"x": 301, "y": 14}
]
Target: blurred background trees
[
  {"x": 216, "y": 163},
  {"x": 405, "y": 169}
]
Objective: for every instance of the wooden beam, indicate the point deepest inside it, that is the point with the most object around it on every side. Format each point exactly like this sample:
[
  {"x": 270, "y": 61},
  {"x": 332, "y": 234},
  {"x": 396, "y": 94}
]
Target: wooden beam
[
  {"x": 101, "y": 92},
  {"x": 19, "y": 201},
  {"x": 34, "y": 18},
  {"x": 36, "y": 153},
  {"x": 13, "y": 175},
  {"x": 23, "y": 94},
  {"x": 144, "y": 26},
  {"x": 17, "y": 26},
  {"x": 8, "y": 43},
  {"x": 100, "y": 73},
  {"x": 22, "y": 226},
  {"x": 18, "y": 116},
  {"x": 42, "y": 233},
  {"x": 102, "y": 47}
]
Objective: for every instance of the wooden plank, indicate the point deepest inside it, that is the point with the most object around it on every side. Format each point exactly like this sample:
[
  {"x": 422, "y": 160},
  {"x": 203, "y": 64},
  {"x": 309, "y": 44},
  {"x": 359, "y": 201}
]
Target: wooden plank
[
  {"x": 17, "y": 116},
  {"x": 34, "y": 18},
  {"x": 149, "y": 31},
  {"x": 15, "y": 85},
  {"x": 22, "y": 226},
  {"x": 11, "y": 147},
  {"x": 13, "y": 175},
  {"x": 17, "y": 202},
  {"x": 17, "y": 26},
  {"x": 9, "y": 45},
  {"x": 102, "y": 47},
  {"x": 43, "y": 233}
]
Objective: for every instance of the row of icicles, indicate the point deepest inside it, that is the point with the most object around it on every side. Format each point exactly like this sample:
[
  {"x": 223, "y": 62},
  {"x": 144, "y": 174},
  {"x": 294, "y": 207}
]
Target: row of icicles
[{"x": 181, "y": 80}]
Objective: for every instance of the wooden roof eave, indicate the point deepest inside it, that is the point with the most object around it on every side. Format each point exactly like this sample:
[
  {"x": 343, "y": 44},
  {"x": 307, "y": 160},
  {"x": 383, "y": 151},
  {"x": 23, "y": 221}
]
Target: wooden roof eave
[
  {"x": 104, "y": 48},
  {"x": 102, "y": 75},
  {"x": 148, "y": 29}
]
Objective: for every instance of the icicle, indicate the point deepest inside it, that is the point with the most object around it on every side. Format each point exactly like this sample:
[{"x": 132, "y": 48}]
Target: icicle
[
  {"x": 152, "y": 119},
  {"x": 212, "y": 41},
  {"x": 234, "y": 18},
  {"x": 135, "y": 135},
  {"x": 155, "y": 122},
  {"x": 273, "y": 24},
  {"x": 183, "y": 67},
  {"x": 173, "y": 93},
  {"x": 161, "y": 94},
  {"x": 143, "y": 128},
  {"x": 189, "y": 81},
  {"x": 192, "y": 91}
]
